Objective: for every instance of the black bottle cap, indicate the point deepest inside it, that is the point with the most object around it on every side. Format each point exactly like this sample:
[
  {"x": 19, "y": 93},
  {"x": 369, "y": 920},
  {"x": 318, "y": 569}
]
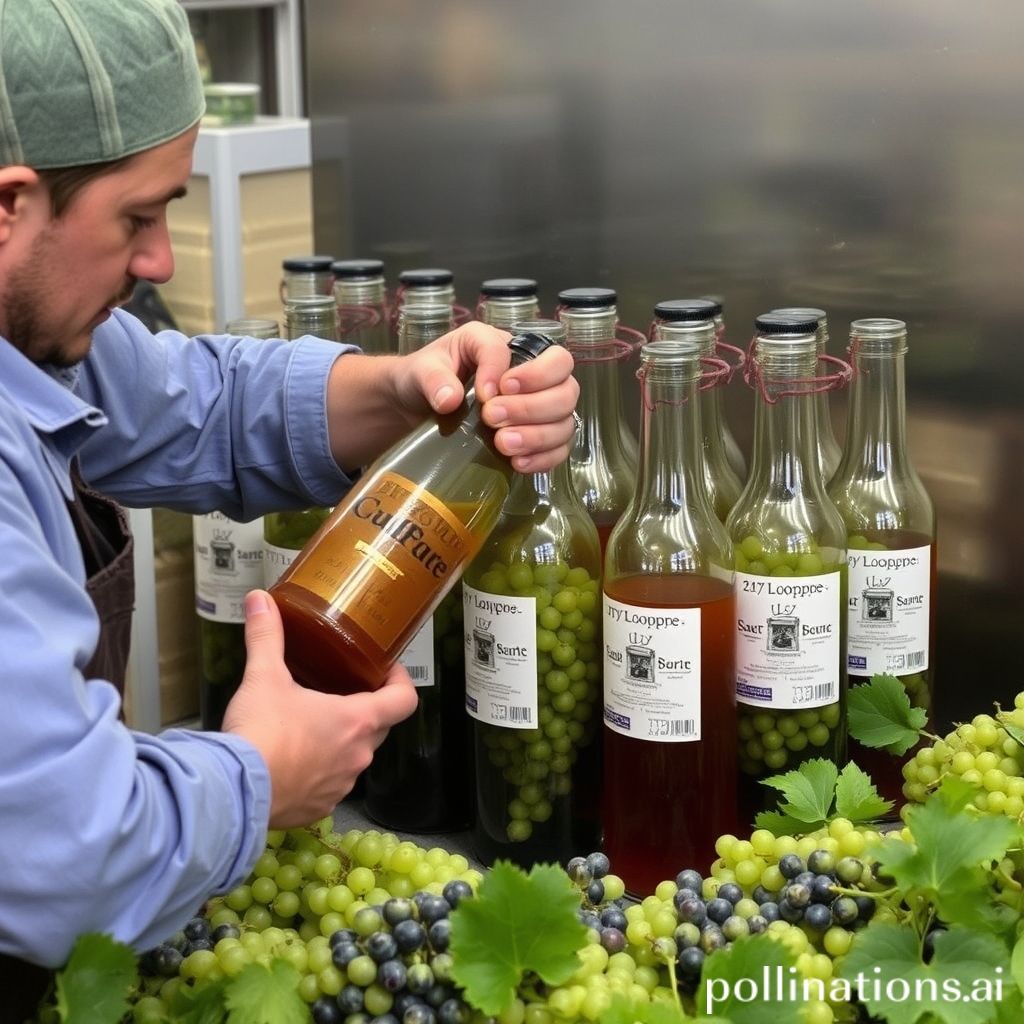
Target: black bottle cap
[
  {"x": 785, "y": 323},
  {"x": 530, "y": 344},
  {"x": 509, "y": 288},
  {"x": 587, "y": 298},
  {"x": 357, "y": 268},
  {"x": 687, "y": 310},
  {"x": 426, "y": 278},
  {"x": 307, "y": 264}
]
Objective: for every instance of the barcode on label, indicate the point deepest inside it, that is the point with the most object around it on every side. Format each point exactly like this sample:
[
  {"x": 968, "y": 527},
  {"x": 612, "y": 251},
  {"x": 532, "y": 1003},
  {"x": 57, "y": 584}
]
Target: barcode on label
[
  {"x": 915, "y": 659},
  {"x": 417, "y": 672},
  {"x": 519, "y": 714},
  {"x": 824, "y": 691},
  {"x": 672, "y": 726}
]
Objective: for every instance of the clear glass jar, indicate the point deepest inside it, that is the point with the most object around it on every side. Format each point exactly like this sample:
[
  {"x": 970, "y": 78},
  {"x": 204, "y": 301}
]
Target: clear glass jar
[
  {"x": 669, "y": 614},
  {"x": 791, "y": 572},
  {"x": 252, "y": 327},
  {"x": 418, "y": 325},
  {"x": 890, "y": 522},
  {"x": 360, "y": 295},
  {"x": 604, "y": 457},
  {"x": 306, "y": 275},
  {"x": 829, "y": 451},
  {"x": 315, "y": 315},
  {"x": 428, "y": 287},
  {"x": 693, "y": 319},
  {"x": 504, "y": 301}
]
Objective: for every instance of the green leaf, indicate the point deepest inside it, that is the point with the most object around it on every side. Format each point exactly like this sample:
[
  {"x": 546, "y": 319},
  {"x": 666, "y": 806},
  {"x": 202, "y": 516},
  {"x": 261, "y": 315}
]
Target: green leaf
[
  {"x": 808, "y": 791},
  {"x": 624, "y": 1010},
  {"x": 94, "y": 986},
  {"x": 1014, "y": 730},
  {"x": 756, "y": 958},
  {"x": 949, "y": 851},
  {"x": 1017, "y": 963},
  {"x": 261, "y": 996},
  {"x": 879, "y": 714},
  {"x": 515, "y": 923},
  {"x": 963, "y": 963},
  {"x": 856, "y": 796},
  {"x": 783, "y": 824},
  {"x": 1010, "y": 1010},
  {"x": 200, "y": 1005}
]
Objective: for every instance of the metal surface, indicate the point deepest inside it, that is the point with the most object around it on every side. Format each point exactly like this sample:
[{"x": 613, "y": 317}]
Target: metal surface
[{"x": 865, "y": 158}]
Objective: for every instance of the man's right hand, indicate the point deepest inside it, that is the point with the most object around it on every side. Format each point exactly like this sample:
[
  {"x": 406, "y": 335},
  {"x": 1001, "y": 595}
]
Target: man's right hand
[{"x": 314, "y": 744}]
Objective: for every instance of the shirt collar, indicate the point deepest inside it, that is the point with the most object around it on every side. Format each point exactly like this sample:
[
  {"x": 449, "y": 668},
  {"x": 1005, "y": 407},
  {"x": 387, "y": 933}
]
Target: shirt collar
[{"x": 45, "y": 398}]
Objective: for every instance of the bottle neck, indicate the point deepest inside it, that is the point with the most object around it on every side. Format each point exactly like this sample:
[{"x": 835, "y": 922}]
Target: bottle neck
[
  {"x": 505, "y": 313},
  {"x": 428, "y": 295},
  {"x": 414, "y": 334},
  {"x": 876, "y": 435},
  {"x": 355, "y": 292}
]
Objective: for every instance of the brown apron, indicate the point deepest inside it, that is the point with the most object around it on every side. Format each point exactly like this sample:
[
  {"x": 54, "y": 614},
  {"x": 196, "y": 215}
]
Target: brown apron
[{"x": 102, "y": 529}]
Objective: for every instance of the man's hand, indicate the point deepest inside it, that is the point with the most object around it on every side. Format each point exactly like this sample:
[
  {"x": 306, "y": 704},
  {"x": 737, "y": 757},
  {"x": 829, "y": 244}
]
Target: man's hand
[
  {"x": 530, "y": 406},
  {"x": 314, "y": 744}
]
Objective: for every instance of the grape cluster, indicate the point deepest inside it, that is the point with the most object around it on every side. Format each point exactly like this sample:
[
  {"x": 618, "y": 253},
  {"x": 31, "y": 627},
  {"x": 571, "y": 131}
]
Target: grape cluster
[
  {"x": 983, "y": 754},
  {"x": 536, "y": 764},
  {"x": 448, "y": 644}
]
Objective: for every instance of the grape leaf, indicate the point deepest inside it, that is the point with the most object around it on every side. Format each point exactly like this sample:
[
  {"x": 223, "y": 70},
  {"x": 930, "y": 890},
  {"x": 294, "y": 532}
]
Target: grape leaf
[
  {"x": 781, "y": 824},
  {"x": 945, "y": 861},
  {"x": 1017, "y": 963},
  {"x": 856, "y": 796},
  {"x": 763, "y": 962},
  {"x": 625, "y": 1011},
  {"x": 879, "y": 714},
  {"x": 200, "y": 1005},
  {"x": 808, "y": 790},
  {"x": 1014, "y": 730},
  {"x": 261, "y": 996},
  {"x": 94, "y": 986},
  {"x": 516, "y": 923},
  {"x": 951, "y": 987}
]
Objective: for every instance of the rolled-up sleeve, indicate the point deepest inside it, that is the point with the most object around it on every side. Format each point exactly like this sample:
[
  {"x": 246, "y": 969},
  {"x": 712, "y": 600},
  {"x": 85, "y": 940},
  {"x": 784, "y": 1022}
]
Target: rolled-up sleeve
[{"x": 215, "y": 422}]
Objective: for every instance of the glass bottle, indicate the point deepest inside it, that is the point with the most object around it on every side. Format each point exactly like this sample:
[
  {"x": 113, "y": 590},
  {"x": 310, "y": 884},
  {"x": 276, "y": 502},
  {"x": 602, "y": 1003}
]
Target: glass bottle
[
  {"x": 362, "y": 308},
  {"x": 886, "y": 509},
  {"x": 504, "y": 301},
  {"x": 393, "y": 548},
  {"x": 678, "y": 318},
  {"x": 427, "y": 287},
  {"x": 669, "y": 613},
  {"x": 306, "y": 275},
  {"x": 532, "y": 621},
  {"x": 790, "y": 582},
  {"x": 419, "y": 325},
  {"x": 228, "y": 562},
  {"x": 604, "y": 457},
  {"x": 315, "y": 315},
  {"x": 421, "y": 776},
  {"x": 829, "y": 451},
  {"x": 732, "y": 450}
]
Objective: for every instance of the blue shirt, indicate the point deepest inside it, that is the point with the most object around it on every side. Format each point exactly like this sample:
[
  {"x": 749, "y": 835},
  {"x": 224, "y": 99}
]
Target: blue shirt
[{"x": 103, "y": 828}]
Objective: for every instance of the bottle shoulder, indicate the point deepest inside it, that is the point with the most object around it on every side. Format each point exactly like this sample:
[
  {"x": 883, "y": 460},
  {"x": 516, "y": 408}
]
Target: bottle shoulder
[{"x": 888, "y": 502}]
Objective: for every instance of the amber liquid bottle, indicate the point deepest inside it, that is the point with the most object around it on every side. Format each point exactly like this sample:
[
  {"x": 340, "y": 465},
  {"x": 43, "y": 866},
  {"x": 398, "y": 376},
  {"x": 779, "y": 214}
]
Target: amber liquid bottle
[
  {"x": 393, "y": 548},
  {"x": 675, "y": 318},
  {"x": 669, "y": 697},
  {"x": 421, "y": 776},
  {"x": 603, "y": 460},
  {"x": 890, "y": 522},
  {"x": 532, "y": 622},
  {"x": 790, "y": 630}
]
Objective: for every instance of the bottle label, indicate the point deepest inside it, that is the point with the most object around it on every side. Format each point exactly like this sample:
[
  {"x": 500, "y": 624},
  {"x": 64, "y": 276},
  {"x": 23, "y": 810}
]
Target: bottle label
[
  {"x": 652, "y": 672},
  {"x": 889, "y": 611},
  {"x": 275, "y": 561},
  {"x": 500, "y": 634},
  {"x": 228, "y": 564},
  {"x": 418, "y": 658},
  {"x": 393, "y": 549},
  {"x": 787, "y": 640}
]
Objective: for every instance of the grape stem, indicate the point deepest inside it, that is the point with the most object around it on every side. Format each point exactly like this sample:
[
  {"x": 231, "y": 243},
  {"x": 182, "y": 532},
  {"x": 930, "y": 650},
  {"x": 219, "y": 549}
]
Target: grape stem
[
  {"x": 883, "y": 896},
  {"x": 670, "y": 964}
]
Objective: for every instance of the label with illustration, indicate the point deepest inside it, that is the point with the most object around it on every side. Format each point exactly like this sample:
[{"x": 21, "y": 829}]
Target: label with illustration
[
  {"x": 889, "y": 611},
  {"x": 228, "y": 564},
  {"x": 385, "y": 559},
  {"x": 500, "y": 635},
  {"x": 787, "y": 640},
  {"x": 652, "y": 672},
  {"x": 418, "y": 658}
]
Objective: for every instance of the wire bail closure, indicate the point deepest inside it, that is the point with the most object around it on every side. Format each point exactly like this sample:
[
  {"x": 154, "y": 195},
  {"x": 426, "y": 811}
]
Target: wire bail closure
[{"x": 754, "y": 378}]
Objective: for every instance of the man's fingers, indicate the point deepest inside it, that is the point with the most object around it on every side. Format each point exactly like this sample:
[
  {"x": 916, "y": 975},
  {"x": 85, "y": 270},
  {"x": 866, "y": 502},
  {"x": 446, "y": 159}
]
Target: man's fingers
[
  {"x": 264, "y": 633},
  {"x": 551, "y": 405},
  {"x": 548, "y": 370}
]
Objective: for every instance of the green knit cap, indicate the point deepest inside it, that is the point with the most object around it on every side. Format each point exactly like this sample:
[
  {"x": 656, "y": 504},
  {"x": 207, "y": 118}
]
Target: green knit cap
[{"x": 84, "y": 81}]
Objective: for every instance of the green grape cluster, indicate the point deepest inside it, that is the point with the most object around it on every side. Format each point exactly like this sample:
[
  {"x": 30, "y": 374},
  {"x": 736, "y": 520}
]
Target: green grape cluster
[
  {"x": 538, "y": 762},
  {"x": 982, "y": 753},
  {"x": 292, "y": 529},
  {"x": 223, "y": 652},
  {"x": 448, "y": 642}
]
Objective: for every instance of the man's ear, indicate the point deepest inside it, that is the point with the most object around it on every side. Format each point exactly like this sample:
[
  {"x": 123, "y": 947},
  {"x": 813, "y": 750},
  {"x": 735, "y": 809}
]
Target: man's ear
[{"x": 15, "y": 181}]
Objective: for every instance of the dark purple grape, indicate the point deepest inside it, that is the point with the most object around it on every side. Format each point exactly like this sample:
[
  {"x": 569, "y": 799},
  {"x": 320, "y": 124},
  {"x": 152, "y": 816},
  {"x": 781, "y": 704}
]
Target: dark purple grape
[
  {"x": 613, "y": 917},
  {"x": 928, "y": 947},
  {"x": 790, "y": 913},
  {"x": 382, "y": 946},
  {"x": 691, "y": 961},
  {"x": 845, "y": 911},
  {"x": 730, "y": 891},
  {"x": 166, "y": 960},
  {"x": 693, "y": 912},
  {"x": 595, "y": 892},
  {"x": 344, "y": 953},
  {"x": 436, "y": 995},
  {"x": 342, "y": 935},
  {"x": 613, "y": 940},
  {"x": 757, "y": 924},
  {"x": 409, "y": 936},
  {"x": 578, "y": 871},
  {"x": 866, "y": 907},
  {"x": 769, "y": 911},
  {"x": 797, "y": 894},
  {"x": 454, "y": 1011},
  {"x": 433, "y": 908},
  {"x": 805, "y": 878},
  {"x": 791, "y": 865},
  {"x": 456, "y": 891},
  {"x": 350, "y": 999},
  {"x": 818, "y": 917},
  {"x": 419, "y": 1013},
  {"x": 712, "y": 939},
  {"x": 599, "y": 866},
  {"x": 325, "y": 1011},
  {"x": 589, "y": 919},
  {"x": 719, "y": 910},
  {"x": 439, "y": 935},
  {"x": 761, "y": 895},
  {"x": 395, "y": 910},
  {"x": 197, "y": 928},
  {"x": 392, "y": 975},
  {"x": 690, "y": 879},
  {"x": 821, "y": 889},
  {"x": 224, "y": 931}
]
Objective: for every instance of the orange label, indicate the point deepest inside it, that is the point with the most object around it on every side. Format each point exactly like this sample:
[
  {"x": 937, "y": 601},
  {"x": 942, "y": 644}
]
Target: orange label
[{"x": 384, "y": 561}]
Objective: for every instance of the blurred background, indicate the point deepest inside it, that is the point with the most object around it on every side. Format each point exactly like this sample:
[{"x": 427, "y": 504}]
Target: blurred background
[{"x": 865, "y": 158}]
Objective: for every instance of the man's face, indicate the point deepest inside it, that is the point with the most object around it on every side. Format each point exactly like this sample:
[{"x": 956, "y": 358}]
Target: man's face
[{"x": 60, "y": 277}]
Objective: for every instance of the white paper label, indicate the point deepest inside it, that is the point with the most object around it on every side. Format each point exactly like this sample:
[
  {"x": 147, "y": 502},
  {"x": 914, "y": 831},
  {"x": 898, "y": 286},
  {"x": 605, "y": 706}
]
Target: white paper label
[
  {"x": 275, "y": 561},
  {"x": 500, "y": 634},
  {"x": 889, "y": 612},
  {"x": 228, "y": 564},
  {"x": 418, "y": 657},
  {"x": 652, "y": 672},
  {"x": 787, "y": 640}
]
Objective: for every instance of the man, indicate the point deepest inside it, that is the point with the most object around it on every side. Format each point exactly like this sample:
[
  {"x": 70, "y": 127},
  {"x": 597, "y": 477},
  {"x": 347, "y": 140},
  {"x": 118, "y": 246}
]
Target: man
[{"x": 103, "y": 828}]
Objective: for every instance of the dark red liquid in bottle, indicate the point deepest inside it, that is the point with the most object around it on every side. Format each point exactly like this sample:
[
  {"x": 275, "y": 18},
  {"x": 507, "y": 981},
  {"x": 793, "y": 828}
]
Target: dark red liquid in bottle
[{"x": 666, "y": 803}]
